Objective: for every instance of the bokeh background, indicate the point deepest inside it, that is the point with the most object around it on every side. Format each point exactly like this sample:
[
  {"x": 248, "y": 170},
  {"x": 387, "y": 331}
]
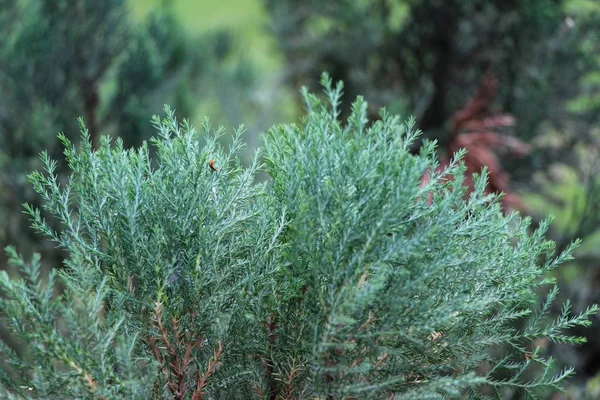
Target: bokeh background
[{"x": 516, "y": 82}]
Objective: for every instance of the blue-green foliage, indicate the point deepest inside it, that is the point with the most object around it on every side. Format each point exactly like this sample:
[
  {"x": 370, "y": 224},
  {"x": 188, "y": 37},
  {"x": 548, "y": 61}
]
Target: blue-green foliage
[{"x": 345, "y": 275}]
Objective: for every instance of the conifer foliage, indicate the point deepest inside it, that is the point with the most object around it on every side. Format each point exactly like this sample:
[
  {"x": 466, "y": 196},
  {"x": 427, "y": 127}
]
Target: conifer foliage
[
  {"x": 63, "y": 59},
  {"x": 187, "y": 278}
]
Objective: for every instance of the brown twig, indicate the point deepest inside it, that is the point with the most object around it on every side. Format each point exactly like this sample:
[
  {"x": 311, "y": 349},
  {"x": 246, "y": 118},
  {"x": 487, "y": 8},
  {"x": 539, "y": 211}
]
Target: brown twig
[
  {"x": 87, "y": 378},
  {"x": 177, "y": 368},
  {"x": 288, "y": 388},
  {"x": 210, "y": 369},
  {"x": 258, "y": 390},
  {"x": 381, "y": 360}
]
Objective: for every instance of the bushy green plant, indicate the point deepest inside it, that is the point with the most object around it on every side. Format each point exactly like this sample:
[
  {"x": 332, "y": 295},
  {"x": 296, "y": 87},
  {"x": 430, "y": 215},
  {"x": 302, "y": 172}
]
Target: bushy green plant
[
  {"x": 342, "y": 276},
  {"x": 64, "y": 59}
]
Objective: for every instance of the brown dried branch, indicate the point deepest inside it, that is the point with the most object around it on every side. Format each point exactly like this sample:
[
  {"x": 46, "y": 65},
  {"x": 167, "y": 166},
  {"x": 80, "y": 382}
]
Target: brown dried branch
[
  {"x": 289, "y": 384},
  {"x": 381, "y": 360},
  {"x": 258, "y": 390},
  {"x": 87, "y": 378},
  {"x": 210, "y": 369},
  {"x": 177, "y": 368},
  {"x": 175, "y": 386}
]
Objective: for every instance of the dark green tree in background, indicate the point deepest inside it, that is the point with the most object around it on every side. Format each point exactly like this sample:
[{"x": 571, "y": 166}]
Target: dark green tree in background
[{"x": 429, "y": 57}]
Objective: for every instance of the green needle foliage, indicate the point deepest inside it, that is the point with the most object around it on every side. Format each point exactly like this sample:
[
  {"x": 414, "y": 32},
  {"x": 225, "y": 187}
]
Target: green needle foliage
[{"x": 346, "y": 275}]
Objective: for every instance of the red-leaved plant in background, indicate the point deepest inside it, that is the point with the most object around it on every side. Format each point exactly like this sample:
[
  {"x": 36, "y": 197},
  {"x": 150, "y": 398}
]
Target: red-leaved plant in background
[{"x": 475, "y": 128}]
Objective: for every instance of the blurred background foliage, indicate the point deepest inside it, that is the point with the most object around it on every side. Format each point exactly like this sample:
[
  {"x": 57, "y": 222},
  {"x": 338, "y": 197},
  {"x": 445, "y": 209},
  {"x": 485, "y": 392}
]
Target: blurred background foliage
[{"x": 517, "y": 82}]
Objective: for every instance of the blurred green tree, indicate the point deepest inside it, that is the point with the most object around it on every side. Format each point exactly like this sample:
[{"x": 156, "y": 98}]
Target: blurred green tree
[
  {"x": 60, "y": 60},
  {"x": 418, "y": 55}
]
